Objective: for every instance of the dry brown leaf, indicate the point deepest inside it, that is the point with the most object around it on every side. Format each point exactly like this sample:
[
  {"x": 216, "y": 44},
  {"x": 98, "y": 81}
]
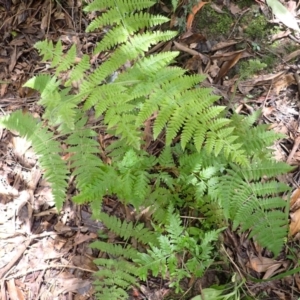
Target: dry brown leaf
[
  {"x": 295, "y": 223},
  {"x": 280, "y": 35},
  {"x": 191, "y": 16},
  {"x": 291, "y": 55},
  {"x": 181, "y": 47},
  {"x": 14, "y": 292},
  {"x": 69, "y": 285},
  {"x": 234, "y": 9},
  {"x": 225, "y": 44},
  {"x": 3, "y": 88},
  {"x": 295, "y": 198},
  {"x": 60, "y": 227},
  {"x": 173, "y": 20},
  {"x": 228, "y": 65},
  {"x": 239, "y": 109},
  {"x": 295, "y": 161},
  {"x": 263, "y": 265},
  {"x": 46, "y": 18},
  {"x": 147, "y": 136},
  {"x": 18, "y": 42},
  {"x": 217, "y": 8},
  {"x": 214, "y": 69},
  {"x": 84, "y": 262},
  {"x": 283, "y": 82},
  {"x": 247, "y": 85},
  {"x": 281, "y": 295},
  {"x": 271, "y": 271},
  {"x": 268, "y": 110},
  {"x": 291, "y": 6},
  {"x": 194, "y": 63},
  {"x": 13, "y": 59},
  {"x": 297, "y": 280},
  {"x": 81, "y": 238},
  {"x": 194, "y": 38}
]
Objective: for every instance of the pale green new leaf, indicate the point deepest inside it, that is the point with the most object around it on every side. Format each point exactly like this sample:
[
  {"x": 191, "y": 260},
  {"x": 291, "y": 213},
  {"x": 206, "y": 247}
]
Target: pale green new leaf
[{"x": 283, "y": 14}]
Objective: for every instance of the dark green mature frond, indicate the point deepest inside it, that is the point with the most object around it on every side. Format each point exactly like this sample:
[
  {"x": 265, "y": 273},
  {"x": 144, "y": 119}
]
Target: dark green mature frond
[{"x": 44, "y": 145}]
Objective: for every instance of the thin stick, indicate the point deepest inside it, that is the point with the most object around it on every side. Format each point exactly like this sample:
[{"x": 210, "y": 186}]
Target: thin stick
[
  {"x": 55, "y": 266},
  {"x": 295, "y": 148}
]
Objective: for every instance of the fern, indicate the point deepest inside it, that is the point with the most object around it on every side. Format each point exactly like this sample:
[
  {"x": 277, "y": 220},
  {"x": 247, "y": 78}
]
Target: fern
[
  {"x": 119, "y": 276},
  {"x": 119, "y": 272},
  {"x": 127, "y": 230},
  {"x": 180, "y": 106},
  {"x": 255, "y": 204},
  {"x": 203, "y": 165},
  {"x": 163, "y": 259},
  {"x": 47, "y": 149},
  {"x": 60, "y": 108}
]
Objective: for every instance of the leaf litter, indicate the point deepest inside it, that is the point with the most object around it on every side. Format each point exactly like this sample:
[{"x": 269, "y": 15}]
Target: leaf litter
[{"x": 45, "y": 254}]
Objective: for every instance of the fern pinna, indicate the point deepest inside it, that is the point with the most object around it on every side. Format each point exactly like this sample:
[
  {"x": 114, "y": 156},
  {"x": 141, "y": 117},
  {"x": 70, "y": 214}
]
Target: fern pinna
[{"x": 209, "y": 171}]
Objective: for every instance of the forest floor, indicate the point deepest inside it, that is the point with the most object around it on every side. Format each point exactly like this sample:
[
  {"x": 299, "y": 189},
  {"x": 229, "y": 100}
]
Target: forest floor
[{"x": 250, "y": 60}]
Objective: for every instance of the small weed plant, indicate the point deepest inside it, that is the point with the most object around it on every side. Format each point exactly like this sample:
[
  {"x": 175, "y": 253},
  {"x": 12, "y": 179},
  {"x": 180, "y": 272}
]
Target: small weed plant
[{"x": 214, "y": 169}]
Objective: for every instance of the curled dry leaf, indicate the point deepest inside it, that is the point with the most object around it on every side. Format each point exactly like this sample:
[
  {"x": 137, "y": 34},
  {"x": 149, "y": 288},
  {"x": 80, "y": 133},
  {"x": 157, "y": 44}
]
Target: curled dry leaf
[
  {"x": 228, "y": 65},
  {"x": 295, "y": 200},
  {"x": 247, "y": 85},
  {"x": 292, "y": 55},
  {"x": 191, "y": 16},
  {"x": 264, "y": 265},
  {"x": 295, "y": 223}
]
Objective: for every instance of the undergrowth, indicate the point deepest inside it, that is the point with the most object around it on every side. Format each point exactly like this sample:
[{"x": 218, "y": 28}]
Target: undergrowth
[{"x": 217, "y": 170}]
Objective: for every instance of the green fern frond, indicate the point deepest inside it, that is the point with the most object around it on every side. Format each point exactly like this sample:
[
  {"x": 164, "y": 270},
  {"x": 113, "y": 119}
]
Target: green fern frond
[
  {"x": 115, "y": 250},
  {"x": 258, "y": 137},
  {"x": 130, "y": 23},
  {"x": 60, "y": 108},
  {"x": 128, "y": 230},
  {"x": 118, "y": 8},
  {"x": 205, "y": 166},
  {"x": 166, "y": 159},
  {"x": 45, "y": 84},
  {"x": 59, "y": 61},
  {"x": 252, "y": 203},
  {"x": 105, "y": 96},
  {"x": 84, "y": 149},
  {"x": 258, "y": 170},
  {"x": 67, "y": 60},
  {"x": 118, "y": 276},
  {"x": 79, "y": 70},
  {"x": 138, "y": 45},
  {"x": 163, "y": 259},
  {"x": 44, "y": 145},
  {"x": 47, "y": 49},
  {"x": 223, "y": 140}
]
